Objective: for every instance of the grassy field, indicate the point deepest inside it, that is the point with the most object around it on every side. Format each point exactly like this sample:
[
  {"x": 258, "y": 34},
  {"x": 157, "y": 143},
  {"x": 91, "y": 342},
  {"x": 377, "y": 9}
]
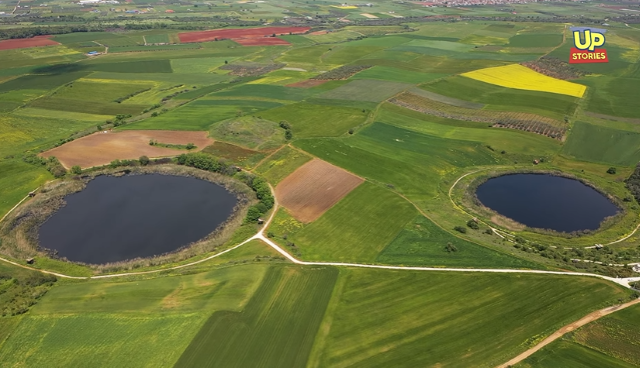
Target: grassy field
[
  {"x": 311, "y": 120},
  {"x": 281, "y": 164},
  {"x": 615, "y": 335},
  {"x": 340, "y": 236},
  {"x": 422, "y": 243},
  {"x": 594, "y": 143},
  {"x": 17, "y": 180},
  {"x": 366, "y": 90},
  {"x": 202, "y": 114},
  {"x": 396, "y": 75},
  {"x": 115, "y": 320},
  {"x": 459, "y": 320},
  {"x": 277, "y": 328},
  {"x": 106, "y": 340},
  {"x": 250, "y": 132},
  {"x": 535, "y": 40},
  {"x": 571, "y": 355}
]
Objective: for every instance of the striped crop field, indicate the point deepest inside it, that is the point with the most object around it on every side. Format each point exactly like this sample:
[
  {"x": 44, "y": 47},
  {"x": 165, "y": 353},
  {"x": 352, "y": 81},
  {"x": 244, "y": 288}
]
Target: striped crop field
[{"x": 520, "y": 77}]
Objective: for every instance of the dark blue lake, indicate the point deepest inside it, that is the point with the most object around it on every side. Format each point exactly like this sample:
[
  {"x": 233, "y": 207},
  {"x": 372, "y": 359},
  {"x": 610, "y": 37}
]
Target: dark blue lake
[
  {"x": 120, "y": 218},
  {"x": 546, "y": 201}
]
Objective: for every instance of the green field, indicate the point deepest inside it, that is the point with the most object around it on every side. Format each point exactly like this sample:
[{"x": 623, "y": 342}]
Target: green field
[
  {"x": 571, "y": 355},
  {"x": 282, "y": 163},
  {"x": 458, "y": 320},
  {"x": 310, "y": 120},
  {"x": 277, "y": 328},
  {"x": 594, "y": 143},
  {"x": 535, "y": 40},
  {"x": 366, "y": 90},
  {"x": 202, "y": 114},
  {"x": 422, "y": 243},
  {"x": 247, "y": 131},
  {"x": 396, "y": 75},
  {"x": 340, "y": 236}
]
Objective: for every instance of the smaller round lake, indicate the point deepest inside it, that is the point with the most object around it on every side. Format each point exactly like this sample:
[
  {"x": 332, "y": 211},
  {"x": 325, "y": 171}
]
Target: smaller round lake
[
  {"x": 546, "y": 201},
  {"x": 119, "y": 218}
]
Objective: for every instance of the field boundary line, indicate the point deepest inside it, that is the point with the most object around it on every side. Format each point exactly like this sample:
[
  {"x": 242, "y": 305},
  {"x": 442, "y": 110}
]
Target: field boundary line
[
  {"x": 271, "y": 154},
  {"x": 593, "y": 316}
]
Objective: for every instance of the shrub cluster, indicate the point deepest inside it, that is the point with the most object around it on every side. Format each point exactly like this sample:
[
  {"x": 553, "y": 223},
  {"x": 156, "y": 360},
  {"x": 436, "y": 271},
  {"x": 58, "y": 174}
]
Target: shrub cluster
[
  {"x": 263, "y": 192},
  {"x": 52, "y": 164},
  {"x": 19, "y": 292},
  {"x": 124, "y": 98},
  {"x": 287, "y": 129},
  {"x": 633, "y": 183}
]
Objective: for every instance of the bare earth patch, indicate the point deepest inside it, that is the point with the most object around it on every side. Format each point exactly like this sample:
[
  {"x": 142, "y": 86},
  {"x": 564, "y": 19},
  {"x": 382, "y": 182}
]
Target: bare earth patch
[
  {"x": 101, "y": 148},
  {"x": 314, "y": 188}
]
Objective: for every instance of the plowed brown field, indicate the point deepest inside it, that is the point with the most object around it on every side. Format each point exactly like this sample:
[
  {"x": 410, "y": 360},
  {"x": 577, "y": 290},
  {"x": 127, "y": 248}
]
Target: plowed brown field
[
  {"x": 314, "y": 188},
  {"x": 102, "y": 148},
  {"x": 23, "y": 43},
  {"x": 211, "y": 35}
]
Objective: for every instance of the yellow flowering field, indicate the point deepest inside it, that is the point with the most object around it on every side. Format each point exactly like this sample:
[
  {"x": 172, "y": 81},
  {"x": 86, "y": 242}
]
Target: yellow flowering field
[{"x": 521, "y": 77}]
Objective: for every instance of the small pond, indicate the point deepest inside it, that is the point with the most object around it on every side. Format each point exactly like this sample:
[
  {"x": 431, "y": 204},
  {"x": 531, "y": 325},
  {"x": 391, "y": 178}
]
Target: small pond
[
  {"x": 546, "y": 201},
  {"x": 119, "y": 218}
]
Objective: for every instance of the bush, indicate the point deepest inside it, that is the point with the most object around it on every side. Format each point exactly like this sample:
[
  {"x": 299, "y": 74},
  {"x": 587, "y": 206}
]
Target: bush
[
  {"x": 201, "y": 161},
  {"x": 473, "y": 224},
  {"x": 460, "y": 229},
  {"x": 450, "y": 248},
  {"x": 76, "y": 170},
  {"x": 611, "y": 170},
  {"x": 144, "y": 160},
  {"x": 190, "y": 146}
]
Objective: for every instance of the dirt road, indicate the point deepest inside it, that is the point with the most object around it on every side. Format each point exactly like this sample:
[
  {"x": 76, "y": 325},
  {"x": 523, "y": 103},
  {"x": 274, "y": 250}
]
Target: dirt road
[{"x": 568, "y": 328}]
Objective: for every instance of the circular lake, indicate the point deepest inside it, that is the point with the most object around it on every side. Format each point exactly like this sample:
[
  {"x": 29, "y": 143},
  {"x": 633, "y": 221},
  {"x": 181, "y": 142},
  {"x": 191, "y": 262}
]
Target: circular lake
[
  {"x": 546, "y": 201},
  {"x": 119, "y": 218}
]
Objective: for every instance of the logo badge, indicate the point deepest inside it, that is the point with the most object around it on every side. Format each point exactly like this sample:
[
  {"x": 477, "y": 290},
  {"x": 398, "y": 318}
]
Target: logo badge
[{"x": 587, "y": 43}]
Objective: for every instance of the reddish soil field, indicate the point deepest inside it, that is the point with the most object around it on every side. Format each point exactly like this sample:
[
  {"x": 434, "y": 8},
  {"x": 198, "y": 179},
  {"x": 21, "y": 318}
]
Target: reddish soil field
[
  {"x": 262, "y": 41},
  {"x": 307, "y": 83},
  {"x": 314, "y": 188},
  {"x": 101, "y": 148},
  {"x": 237, "y": 33},
  {"x": 23, "y": 43}
]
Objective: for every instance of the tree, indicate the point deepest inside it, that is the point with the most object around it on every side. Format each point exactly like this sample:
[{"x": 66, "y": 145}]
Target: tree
[
  {"x": 473, "y": 224},
  {"x": 450, "y": 248},
  {"x": 612, "y": 170},
  {"x": 144, "y": 160},
  {"x": 287, "y": 134},
  {"x": 190, "y": 146},
  {"x": 76, "y": 170},
  {"x": 460, "y": 229}
]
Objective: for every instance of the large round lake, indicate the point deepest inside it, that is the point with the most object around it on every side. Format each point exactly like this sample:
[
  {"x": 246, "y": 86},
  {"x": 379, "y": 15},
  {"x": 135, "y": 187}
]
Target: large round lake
[
  {"x": 120, "y": 218},
  {"x": 546, "y": 201}
]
